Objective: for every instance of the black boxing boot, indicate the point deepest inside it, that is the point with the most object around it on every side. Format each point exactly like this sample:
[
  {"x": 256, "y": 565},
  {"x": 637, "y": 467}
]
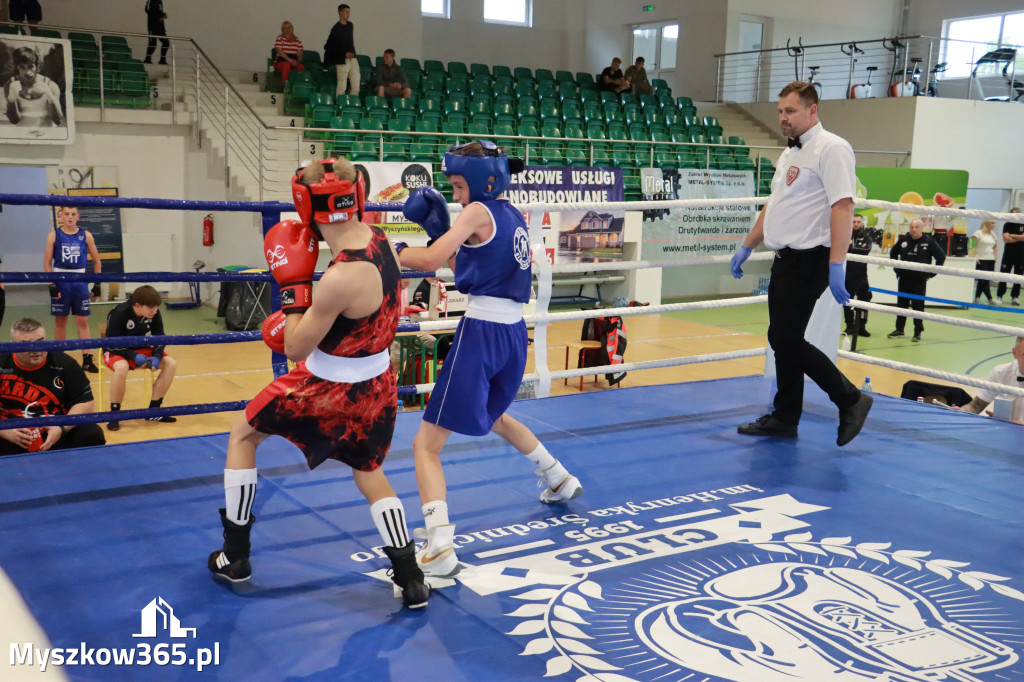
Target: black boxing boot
[
  {"x": 232, "y": 562},
  {"x": 407, "y": 574}
]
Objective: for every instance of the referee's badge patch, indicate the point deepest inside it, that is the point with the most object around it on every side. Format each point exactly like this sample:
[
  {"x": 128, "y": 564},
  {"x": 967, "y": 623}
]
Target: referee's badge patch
[{"x": 791, "y": 174}]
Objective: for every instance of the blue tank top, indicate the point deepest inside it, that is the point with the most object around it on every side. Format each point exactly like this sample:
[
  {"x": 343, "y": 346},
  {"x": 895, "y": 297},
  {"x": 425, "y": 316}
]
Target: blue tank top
[
  {"x": 70, "y": 250},
  {"x": 499, "y": 267}
]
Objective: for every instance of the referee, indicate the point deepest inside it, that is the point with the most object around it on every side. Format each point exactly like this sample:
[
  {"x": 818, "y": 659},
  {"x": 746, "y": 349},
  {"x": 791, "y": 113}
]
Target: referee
[{"x": 807, "y": 221}]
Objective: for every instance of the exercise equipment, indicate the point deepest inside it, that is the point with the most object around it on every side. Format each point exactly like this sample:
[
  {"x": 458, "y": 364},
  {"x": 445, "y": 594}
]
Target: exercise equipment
[
  {"x": 1005, "y": 56},
  {"x": 932, "y": 90},
  {"x": 904, "y": 87},
  {"x": 861, "y": 90},
  {"x": 797, "y": 53}
]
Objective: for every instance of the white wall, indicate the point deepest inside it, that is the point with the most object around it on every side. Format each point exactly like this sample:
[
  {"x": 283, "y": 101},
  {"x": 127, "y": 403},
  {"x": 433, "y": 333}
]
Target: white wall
[{"x": 239, "y": 35}]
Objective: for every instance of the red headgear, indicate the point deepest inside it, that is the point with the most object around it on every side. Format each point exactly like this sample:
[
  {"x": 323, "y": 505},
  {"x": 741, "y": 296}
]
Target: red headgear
[{"x": 331, "y": 200}]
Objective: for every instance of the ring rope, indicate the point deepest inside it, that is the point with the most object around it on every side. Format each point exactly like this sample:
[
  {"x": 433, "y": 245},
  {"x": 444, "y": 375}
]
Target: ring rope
[
  {"x": 933, "y": 317},
  {"x": 936, "y": 269},
  {"x": 122, "y": 415},
  {"x": 948, "y": 301},
  {"x": 934, "y": 373}
]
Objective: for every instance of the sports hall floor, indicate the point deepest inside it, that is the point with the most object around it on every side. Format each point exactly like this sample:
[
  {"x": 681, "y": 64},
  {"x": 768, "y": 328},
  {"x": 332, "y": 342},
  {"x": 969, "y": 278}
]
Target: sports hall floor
[{"x": 694, "y": 554}]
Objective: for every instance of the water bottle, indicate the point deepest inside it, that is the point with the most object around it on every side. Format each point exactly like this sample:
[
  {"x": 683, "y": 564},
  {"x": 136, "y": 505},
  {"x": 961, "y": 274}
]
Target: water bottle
[
  {"x": 867, "y": 385},
  {"x": 401, "y": 405}
]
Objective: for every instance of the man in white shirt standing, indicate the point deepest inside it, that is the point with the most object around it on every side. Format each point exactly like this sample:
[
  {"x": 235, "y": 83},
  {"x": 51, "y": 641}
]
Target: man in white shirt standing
[
  {"x": 807, "y": 221},
  {"x": 1009, "y": 374}
]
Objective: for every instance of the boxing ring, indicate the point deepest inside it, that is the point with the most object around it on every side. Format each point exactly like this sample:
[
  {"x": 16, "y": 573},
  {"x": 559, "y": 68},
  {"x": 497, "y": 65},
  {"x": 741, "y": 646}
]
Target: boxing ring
[{"x": 695, "y": 553}]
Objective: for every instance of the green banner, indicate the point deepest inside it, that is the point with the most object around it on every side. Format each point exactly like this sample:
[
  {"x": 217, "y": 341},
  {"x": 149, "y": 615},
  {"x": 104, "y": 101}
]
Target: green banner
[{"x": 920, "y": 186}]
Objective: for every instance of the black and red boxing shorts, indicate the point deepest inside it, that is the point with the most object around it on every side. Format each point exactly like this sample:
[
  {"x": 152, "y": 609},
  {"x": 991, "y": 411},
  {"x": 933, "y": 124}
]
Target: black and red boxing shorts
[{"x": 352, "y": 423}]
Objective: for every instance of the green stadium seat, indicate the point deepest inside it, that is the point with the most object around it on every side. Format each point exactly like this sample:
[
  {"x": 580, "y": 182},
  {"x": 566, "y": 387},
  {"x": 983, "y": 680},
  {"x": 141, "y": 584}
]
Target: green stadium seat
[
  {"x": 638, "y": 132},
  {"x": 457, "y": 69},
  {"x": 364, "y": 61},
  {"x": 547, "y": 89},
  {"x": 551, "y": 154},
  {"x": 550, "y": 128},
  {"x": 401, "y": 125},
  {"x": 10, "y": 30},
  {"x": 410, "y": 65},
  {"x": 477, "y": 69},
  {"x": 480, "y": 86},
  {"x": 679, "y": 133},
  {"x": 548, "y": 109},
  {"x": 684, "y": 102},
  {"x": 672, "y": 115},
  {"x": 499, "y": 71},
  {"x": 608, "y": 96},
  {"x": 617, "y": 131},
  {"x": 421, "y": 152},
  {"x": 632, "y": 113},
  {"x": 665, "y": 159},
  {"x": 433, "y": 66},
  {"x": 647, "y": 100},
  {"x": 562, "y": 76},
  {"x": 541, "y": 74},
  {"x": 568, "y": 90},
  {"x": 585, "y": 77},
  {"x": 588, "y": 95},
  {"x": 46, "y": 33},
  {"x": 525, "y": 72},
  {"x": 628, "y": 98},
  {"x": 621, "y": 158},
  {"x": 503, "y": 88},
  {"x": 653, "y": 116},
  {"x": 576, "y": 157},
  {"x": 660, "y": 84},
  {"x": 528, "y": 107},
  {"x": 602, "y": 158},
  {"x": 574, "y": 131},
  {"x": 571, "y": 114},
  {"x": 527, "y": 130},
  {"x": 525, "y": 89},
  {"x": 364, "y": 151},
  {"x": 426, "y": 126},
  {"x": 664, "y": 99},
  {"x": 396, "y": 151}
]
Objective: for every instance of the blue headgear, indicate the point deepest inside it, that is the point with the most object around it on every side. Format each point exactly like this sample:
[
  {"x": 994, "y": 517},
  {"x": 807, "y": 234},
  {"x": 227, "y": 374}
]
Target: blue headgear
[{"x": 480, "y": 172}]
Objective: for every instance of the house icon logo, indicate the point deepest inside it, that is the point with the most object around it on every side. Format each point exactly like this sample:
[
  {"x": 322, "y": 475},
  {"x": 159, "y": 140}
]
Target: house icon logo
[{"x": 159, "y": 615}]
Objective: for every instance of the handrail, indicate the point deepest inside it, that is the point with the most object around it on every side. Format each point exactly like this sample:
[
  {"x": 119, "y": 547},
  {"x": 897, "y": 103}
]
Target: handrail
[{"x": 807, "y": 47}]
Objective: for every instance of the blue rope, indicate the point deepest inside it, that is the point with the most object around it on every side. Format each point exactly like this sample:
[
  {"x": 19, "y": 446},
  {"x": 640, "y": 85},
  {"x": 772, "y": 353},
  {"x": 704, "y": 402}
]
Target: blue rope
[
  {"x": 173, "y": 204},
  {"x": 120, "y": 415},
  {"x": 962, "y": 304},
  {"x": 131, "y": 342},
  {"x": 262, "y": 276}
]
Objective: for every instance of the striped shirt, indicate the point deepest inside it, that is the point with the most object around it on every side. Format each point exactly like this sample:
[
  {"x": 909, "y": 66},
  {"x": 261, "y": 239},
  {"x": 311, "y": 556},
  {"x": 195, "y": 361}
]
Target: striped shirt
[{"x": 292, "y": 48}]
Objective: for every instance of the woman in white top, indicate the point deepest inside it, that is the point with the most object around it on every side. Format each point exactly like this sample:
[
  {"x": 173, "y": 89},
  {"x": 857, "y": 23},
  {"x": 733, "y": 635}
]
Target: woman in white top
[{"x": 985, "y": 253}]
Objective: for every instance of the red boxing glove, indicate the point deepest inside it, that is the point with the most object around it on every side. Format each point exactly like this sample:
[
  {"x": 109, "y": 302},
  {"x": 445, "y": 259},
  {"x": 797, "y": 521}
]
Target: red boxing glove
[
  {"x": 291, "y": 250},
  {"x": 273, "y": 331}
]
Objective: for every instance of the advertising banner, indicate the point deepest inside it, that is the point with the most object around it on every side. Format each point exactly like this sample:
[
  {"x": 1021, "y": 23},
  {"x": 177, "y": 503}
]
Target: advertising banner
[
  {"x": 104, "y": 222},
  {"x": 35, "y": 91},
  {"x": 584, "y": 235},
  {"x": 393, "y": 181},
  {"x": 679, "y": 233}
]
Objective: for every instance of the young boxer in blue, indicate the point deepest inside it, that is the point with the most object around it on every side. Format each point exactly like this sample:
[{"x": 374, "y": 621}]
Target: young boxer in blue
[{"x": 489, "y": 249}]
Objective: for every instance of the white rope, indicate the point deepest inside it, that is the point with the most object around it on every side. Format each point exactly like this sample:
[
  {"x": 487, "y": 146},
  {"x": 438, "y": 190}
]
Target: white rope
[
  {"x": 934, "y": 373},
  {"x": 937, "y": 269},
  {"x": 940, "y": 211},
  {"x": 933, "y": 317}
]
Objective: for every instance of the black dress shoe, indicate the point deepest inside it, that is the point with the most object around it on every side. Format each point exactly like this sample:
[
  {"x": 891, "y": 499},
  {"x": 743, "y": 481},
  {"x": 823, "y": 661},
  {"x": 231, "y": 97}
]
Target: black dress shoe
[
  {"x": 916, "y": 338},
  {"x": 851, "y": 419},
  {"x": 768, "y": 425},
  {"x": 863, "y": 332}
]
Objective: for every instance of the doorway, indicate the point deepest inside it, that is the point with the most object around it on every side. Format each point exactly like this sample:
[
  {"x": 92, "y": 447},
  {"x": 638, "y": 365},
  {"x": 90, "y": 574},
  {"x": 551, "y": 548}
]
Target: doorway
[{"x": 657, "y": 44}]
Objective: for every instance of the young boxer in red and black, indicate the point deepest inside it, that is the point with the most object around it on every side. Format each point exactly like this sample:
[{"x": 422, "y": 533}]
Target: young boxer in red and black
[{"x": 340, "y": 400}]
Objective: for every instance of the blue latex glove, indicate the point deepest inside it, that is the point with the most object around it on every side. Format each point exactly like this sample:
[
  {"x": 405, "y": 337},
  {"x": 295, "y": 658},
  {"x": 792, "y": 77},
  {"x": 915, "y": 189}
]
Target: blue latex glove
[
  {"x": 738, "y": 258},
  {"x": 837, "y": 283},
  {"x": 427, "y": 207}
]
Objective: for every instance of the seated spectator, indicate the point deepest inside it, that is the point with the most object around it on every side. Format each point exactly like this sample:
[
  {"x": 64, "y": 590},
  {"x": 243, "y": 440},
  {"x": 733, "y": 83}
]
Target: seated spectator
[
  {"x": 138, "y": 316},
  {"x": 390, "y": 78},
  {"x": 1009, "y": 374},
  {"x": 612, "y": 78},
  {"x": 288, "y": 52},
  {"x": 637, "y": 77},
  {"x": 41, "y": 384}
]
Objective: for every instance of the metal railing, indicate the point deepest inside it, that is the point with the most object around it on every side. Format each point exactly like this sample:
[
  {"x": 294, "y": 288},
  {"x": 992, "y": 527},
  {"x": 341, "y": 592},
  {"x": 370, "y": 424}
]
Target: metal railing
[
  {"x": 257, "y": 152},
  {"x": 900, "y": 66}
]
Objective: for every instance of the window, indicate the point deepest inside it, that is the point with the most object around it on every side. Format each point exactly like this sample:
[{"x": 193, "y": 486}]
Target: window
[
  {"x": 656, "y": 43},
  {"x": 518, "y": 12},
  {"x": 435, "y": 8},
  {"x": 969, "y": 38}
]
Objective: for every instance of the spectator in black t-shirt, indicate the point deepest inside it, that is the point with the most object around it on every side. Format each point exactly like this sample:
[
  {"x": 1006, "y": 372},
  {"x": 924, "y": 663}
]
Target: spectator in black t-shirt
[
  {"x": 612, "y": 78},
  {"x": 138, "y": 316},
  {"x": 1013, "y": 258},
  {"x": 390, "y": 78},
  {"x": 41, "y": 384},
  {"x": 155, "y": 18}
]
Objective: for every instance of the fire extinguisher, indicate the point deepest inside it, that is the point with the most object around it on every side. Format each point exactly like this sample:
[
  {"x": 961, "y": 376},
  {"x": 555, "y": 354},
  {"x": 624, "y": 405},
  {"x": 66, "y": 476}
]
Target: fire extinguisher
[{"x": 208, "y": 230}]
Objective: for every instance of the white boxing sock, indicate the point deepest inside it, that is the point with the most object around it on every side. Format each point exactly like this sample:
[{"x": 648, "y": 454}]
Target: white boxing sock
[
  {"x": 239, "y": 491},
  {"x": 389, "y": 517},
  {"x": 435, "y": 513},
  {"x": 541, "y": 457}
]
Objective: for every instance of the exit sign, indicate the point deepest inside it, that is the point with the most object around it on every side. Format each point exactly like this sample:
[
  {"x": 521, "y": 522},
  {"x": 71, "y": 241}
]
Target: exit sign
[{"x": 648, "y": 8}]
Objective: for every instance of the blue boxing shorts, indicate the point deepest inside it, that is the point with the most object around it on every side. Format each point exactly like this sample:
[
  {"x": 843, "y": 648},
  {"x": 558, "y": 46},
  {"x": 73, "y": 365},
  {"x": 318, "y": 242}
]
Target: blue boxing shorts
[
  {"x": 74, "y": 298},
  {"x": 480, "y": 376}
]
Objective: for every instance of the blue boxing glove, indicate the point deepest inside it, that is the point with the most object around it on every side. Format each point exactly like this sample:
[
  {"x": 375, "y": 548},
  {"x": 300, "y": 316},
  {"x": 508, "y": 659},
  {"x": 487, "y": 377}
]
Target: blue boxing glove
[
  {"x": 427, "y": 207},
  {"x": 154, "y": 362},
  {"x": 837, "y": 283},
  {"x": 738, "y": 258},
  {"x": 141, "y": 361}
]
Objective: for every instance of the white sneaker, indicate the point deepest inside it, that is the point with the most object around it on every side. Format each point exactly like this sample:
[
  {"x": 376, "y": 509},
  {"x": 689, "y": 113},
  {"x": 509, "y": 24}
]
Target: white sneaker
[
  {"x": 977, "y": 300},
  {"x": 999, "y": 299},
  {"x": 437, "y": 558},
  {"x": 568, "y": 489},
  {"x": 1015, "y": 301}
]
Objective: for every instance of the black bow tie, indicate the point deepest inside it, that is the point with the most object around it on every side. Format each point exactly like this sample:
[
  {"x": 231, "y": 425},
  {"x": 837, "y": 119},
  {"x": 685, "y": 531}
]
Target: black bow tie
[{"x": 795, "y": 142}]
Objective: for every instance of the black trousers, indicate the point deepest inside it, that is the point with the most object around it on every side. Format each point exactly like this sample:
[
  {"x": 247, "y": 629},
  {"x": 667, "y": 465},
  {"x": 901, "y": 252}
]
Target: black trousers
[
  {"x": 157, "y": 29},
  {"x": 982, "y": 287},
  {"x": 860, "y": 291},
  {"x": 916, "y": 284},
  {"x": 82, "y": 436},
  {"x": 798, "y": 280},
  {"x": 1017, "y": 269}
]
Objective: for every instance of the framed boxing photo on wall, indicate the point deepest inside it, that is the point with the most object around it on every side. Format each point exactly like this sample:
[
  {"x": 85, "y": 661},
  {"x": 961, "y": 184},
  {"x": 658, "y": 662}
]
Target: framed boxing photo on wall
[{"x": 35, "y": 91}]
